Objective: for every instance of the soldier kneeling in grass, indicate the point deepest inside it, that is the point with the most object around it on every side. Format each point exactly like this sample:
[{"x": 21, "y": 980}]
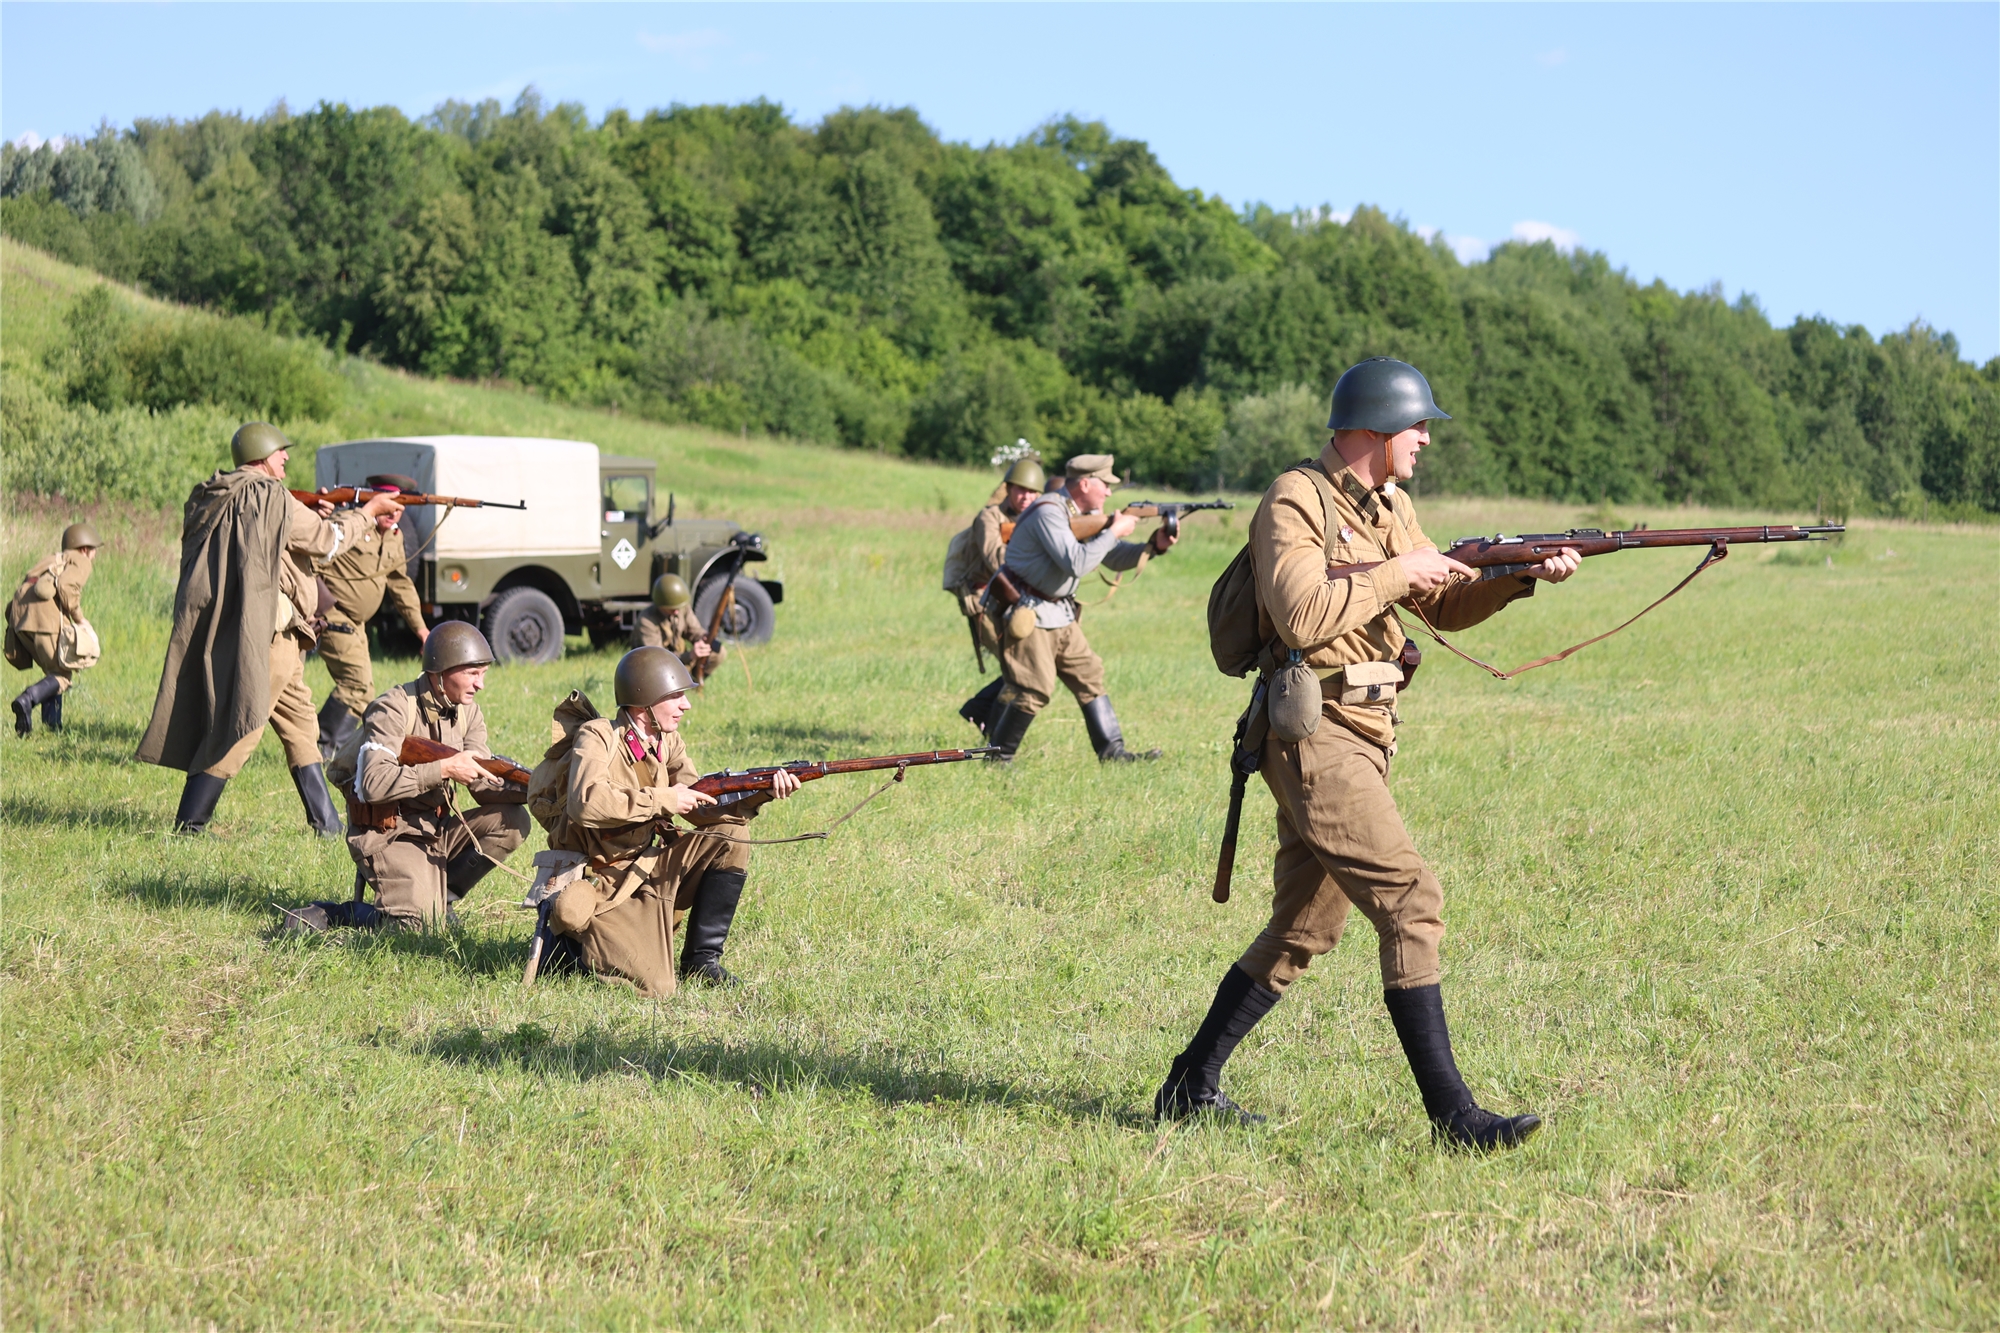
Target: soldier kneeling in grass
[{"x": 607, "y": 792}]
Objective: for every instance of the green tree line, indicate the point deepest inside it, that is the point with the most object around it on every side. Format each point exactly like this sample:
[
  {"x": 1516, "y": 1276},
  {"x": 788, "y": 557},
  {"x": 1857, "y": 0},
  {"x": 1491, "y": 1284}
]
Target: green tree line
[{"x": 862, "y": 281}]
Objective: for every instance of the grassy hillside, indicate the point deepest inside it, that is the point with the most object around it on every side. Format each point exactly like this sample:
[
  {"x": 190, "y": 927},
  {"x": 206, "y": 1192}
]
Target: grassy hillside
[{"x": 1721, "y": 893}]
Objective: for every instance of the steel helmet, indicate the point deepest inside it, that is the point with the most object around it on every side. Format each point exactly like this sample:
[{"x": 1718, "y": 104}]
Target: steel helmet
[
  {"x": 647, "y": 675},
  {"x": 455, "y": 644},
  {"x": 670, "y": 591},
  {"x": 255, "y": 442},
  {"x": 79, "y": 535},
  {"x": 1385, "y": 395},
  {"x": 1027, "y": 472}
]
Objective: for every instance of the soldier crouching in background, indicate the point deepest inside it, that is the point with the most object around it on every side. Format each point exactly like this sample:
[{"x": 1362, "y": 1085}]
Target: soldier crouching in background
[
  {"x": 613, "y": 786},
  {"x": 670, "y": 623},
  {"x": 373, "y": 567},
  {"x": 49, "y": 600}
]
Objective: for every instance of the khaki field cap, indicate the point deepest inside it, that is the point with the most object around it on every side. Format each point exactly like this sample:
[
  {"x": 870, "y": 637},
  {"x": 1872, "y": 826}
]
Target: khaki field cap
[
  {"x": 454, "y": 644},
  {"x": 256, "y": 442},
  {"x": 1092, "y": 465},
  {"x": 670, "y": 591},
  {"x": 79, "y": 535},
  {"x": 647, "y": 675}
]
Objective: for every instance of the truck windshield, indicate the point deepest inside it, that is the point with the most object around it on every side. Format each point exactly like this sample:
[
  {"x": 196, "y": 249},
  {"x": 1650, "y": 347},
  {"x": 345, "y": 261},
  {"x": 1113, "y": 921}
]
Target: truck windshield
[{"x": 625, "y": 493}]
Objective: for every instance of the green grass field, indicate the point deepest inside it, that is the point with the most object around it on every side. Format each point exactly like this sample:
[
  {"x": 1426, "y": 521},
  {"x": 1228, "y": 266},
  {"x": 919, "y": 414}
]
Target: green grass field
[{"x": 1722, "y": 906}]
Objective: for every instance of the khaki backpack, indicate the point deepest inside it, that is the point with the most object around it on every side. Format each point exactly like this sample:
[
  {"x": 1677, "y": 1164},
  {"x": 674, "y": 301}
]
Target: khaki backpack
[
  {"x": 548, "y": 785},
  {"x": 959, "y": 559},
  {"x": 1233, "y": 637}
]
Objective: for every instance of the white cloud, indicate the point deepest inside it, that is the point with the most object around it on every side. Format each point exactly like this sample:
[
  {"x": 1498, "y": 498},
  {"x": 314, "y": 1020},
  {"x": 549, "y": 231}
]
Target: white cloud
[
  {"x": 686, "y": 48},
  {"x": 29, "y": 141},
  {"x": 1530, "y": 233},
  {"x": 1469, "y": 249}
]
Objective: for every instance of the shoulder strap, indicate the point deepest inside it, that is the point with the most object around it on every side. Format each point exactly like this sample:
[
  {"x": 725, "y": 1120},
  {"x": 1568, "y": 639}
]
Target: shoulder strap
[{"x": 1324, "y": 484}]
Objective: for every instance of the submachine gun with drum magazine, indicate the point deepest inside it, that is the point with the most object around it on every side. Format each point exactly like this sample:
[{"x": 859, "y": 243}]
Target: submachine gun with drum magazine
[
  {"x": 1086, "y": 526},
  {"x": 1494, "y": 557}
]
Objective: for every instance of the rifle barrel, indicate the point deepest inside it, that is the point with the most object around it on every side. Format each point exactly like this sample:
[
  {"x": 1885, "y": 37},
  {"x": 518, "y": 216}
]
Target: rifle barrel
[
  {"x": 806, "y": 770},
  {"x": 1504, "y": 552}
]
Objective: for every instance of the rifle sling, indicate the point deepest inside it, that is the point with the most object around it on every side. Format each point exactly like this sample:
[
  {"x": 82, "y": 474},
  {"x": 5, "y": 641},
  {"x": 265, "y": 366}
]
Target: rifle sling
[
  {"x": 1718, "y": 551},
  {"x": 818, "y": 836}
]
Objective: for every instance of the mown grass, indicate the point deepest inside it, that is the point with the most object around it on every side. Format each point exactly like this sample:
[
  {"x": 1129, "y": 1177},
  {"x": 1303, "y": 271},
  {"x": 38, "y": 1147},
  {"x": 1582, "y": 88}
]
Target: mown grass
[{"x": 1722, "y": 902}]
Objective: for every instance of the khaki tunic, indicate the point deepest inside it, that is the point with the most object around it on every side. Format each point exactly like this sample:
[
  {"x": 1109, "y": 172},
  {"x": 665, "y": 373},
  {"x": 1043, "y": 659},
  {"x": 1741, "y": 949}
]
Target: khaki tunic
[
  {"x": 675, "y": 631},
  {"x": 408, "y": 864},
  {"x": 50, "y": 596},
  {"x": 1341, "y": 842},
  {"x": 361, "y": 575},
  {"x": 644, "y": 869}
]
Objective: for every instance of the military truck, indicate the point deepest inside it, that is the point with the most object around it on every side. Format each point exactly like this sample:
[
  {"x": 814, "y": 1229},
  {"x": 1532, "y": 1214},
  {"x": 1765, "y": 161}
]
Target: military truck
[{"x": 580, "y": 559}]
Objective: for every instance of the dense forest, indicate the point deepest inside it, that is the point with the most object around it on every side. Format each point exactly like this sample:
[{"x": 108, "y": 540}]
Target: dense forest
[{"x": 861, "y": 281}]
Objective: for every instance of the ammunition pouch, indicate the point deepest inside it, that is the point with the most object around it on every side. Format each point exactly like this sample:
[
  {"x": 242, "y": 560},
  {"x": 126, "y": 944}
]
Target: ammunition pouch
[{"x": 382, "y": 818}]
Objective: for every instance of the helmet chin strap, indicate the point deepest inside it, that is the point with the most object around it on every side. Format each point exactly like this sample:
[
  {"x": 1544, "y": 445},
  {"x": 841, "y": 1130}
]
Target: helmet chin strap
[{"x": 1388, "y": 465}]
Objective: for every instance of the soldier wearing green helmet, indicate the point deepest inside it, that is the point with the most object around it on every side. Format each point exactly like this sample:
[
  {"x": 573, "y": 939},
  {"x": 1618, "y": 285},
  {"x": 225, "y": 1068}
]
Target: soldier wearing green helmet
[
  {"x": 1335, "y": 548},
  {"x": 969, "y": 564},
  {"x": 627, "y": 779},
  {"x": 245, "y": 614},
  {"x": 670, "y": 623},
  {"x": 45, "y": 623}
]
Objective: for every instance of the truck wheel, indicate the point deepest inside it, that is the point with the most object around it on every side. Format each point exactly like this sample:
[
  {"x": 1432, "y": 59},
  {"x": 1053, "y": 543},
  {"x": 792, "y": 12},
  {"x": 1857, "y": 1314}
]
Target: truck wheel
[
  {"x": 753, "y": 620},
  {"x": 524, "y": 625}
]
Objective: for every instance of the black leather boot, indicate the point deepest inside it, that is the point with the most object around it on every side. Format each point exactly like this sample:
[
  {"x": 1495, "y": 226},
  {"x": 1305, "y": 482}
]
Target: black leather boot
[
  {"x": 197, "y": 807},
  {"x": 1106, "y": 738},
  {"x": 1456, "y": 1119},
  {"x": 978, "y": 710},
  {"x": 321, "y": 817},
  {"x": 336, "y": 724},
  {"x": 1194, "y": 1083},
  {"x": 464, "y": 871},
  {"x": 706, "y": 929},
  {"x": 1009, "y": 725},
  {"x": 52, "y": 710},
  {"x": 48, "y": 687}
]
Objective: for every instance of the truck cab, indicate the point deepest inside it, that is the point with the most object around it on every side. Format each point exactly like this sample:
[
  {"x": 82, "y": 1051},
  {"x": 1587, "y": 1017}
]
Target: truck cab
[{"x": 580, "y": 559}]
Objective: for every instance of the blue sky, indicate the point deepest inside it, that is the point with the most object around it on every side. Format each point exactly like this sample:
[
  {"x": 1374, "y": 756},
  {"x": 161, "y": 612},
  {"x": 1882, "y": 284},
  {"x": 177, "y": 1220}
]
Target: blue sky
[{"x": 1831, "y": 159}]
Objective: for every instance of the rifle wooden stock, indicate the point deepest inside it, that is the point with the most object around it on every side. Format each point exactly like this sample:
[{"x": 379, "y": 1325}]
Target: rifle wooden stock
[
  {"x": 1225, "y": 859},
  {"x": 1496, "y": 557},
  {"x": 360, "y": 495},
  {"x": 423, "y": 750},
  {"x": 731, "y": 781}
]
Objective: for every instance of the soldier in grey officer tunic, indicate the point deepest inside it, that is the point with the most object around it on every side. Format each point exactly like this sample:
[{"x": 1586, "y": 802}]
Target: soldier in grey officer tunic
[{"x": 1042, "y": 641}]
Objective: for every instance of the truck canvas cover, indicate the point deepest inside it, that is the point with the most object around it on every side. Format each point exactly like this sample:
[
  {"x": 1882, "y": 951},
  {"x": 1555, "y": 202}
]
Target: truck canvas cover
[{"x": 557, "y": 478}]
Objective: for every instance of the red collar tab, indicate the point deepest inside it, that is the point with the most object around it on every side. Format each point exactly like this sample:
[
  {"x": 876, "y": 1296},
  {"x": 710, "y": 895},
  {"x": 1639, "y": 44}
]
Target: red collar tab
[{"x": 634, "y": 746}]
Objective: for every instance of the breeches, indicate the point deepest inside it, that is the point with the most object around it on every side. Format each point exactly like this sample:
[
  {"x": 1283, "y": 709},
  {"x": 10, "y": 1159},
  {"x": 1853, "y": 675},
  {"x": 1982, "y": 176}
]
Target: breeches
[
  {"x": 344, "y": 648},
  {"x": 634, "y": 939},
  {"x": 409, "y": 866},
  {"x": 291, "y": 714},
  {"x": 1341, "y": 843},
  {"x": 1033, "y": 665},
  {"x": 42, "y": 647}
]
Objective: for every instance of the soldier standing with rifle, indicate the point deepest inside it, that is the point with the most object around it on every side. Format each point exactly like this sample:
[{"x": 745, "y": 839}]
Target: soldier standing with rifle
[
  {"x": 670, "y": 623},
  {"x": 245, "y": 612},
  {"x": 1033, "y": 595},
  {"x": 404, "y": 830},
  {"x": 975, "y": 554},
  {"x": 49, "y": 598},
  {"x": 364, "y": 573},
  {"x": 625, "y": 779},
  {"x": 1335, "y": 547}
]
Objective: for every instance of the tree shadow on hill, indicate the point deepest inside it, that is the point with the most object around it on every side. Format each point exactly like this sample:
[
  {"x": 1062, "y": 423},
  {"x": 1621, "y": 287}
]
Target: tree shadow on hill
[{"x": 891, "y": 1077}]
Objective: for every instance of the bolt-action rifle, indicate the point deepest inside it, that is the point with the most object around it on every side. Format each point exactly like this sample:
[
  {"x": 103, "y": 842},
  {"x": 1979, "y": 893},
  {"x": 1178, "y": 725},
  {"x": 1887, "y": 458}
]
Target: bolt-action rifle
[
  {"x": 742, "y": 781},
  {"x": 361, "y": 495},
  {"x": 1089, "y": 525},
  {"x": 423, "y": 750}
]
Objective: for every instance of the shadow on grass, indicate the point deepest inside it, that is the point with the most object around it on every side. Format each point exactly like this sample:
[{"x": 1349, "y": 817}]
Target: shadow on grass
[
  {"x": 83, "y": 740},
  {"x": 126, "y": 816},
  {"x": 890, "y": 1077},
  {"x": 796, "y": 733}
]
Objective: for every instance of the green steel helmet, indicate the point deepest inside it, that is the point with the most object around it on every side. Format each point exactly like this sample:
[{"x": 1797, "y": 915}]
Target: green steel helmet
[
  {"x": 671, "y": 591},
  {"x": 79, "y": 535},
  {"x": 454, "y": 644},
  {"x": 1382, "y": 394},
  {"x": 1027, "y": 472},
  {"x": 255, "y": 442},
  {"x": 647, "y": 675}
]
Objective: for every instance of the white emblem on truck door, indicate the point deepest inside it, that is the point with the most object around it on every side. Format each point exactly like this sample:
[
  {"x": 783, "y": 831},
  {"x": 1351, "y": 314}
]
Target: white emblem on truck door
[{"x": 623, "y": 554}]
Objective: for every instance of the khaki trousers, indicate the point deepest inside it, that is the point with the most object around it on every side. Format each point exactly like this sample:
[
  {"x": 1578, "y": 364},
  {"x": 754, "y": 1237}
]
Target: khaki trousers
[
  {"x": 635, "y": 939},
  {"x": 291, "y": 713},
  {"x": 343, "y": 646},
  {"x": 42, "y": 647},
  {"x": 407, "y": 865},
  {"x": 1034, "y": 664},
  {"x": 1340, "y": 844}
]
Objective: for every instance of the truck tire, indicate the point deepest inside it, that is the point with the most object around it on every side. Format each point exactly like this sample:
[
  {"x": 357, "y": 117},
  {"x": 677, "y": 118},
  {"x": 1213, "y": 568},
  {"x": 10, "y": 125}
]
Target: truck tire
[
  {"x": 524, "y": 625},
  {"x": 753, "y": 620}
]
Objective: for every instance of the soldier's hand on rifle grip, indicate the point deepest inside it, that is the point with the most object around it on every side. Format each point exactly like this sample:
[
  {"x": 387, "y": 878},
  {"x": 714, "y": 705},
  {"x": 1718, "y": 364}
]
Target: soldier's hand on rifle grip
[
  {"x": 682, "y": 800},
  {"x": 702, "y": 648},
  {"x": 1427, "y": 568},
  {"x": 462, "y": 767},
  {"x": 379, "y": 505},
  {"x": 783, "y": 784},
  {"x": 1558, "y": 566},
  {"x": 1163, "y": 538},
  {"x": 1123, "y": 526}
]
